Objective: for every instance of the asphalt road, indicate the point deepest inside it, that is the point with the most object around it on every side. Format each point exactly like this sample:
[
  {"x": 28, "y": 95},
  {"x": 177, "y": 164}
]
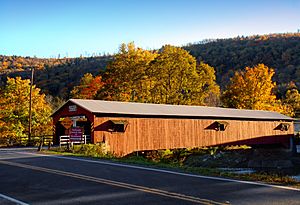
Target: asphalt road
[{"x": 27, "y": 177}]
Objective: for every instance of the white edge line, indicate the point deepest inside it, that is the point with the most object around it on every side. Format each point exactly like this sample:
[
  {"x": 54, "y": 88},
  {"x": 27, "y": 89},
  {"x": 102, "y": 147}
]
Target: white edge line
[
  {"x": 168, "y": 172},
  {"x": 12, "y": 200}
]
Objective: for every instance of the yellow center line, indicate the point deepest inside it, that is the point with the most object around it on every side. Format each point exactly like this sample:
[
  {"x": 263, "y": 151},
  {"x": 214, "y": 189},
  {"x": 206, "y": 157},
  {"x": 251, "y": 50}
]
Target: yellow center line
[{"x": 117, "y": 184}]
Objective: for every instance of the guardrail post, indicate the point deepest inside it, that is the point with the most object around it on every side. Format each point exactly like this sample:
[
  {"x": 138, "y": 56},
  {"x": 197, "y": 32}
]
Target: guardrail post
[
  {"x": 68, "y": 146},
  {"x": 59, "y": 141},
  {"x": 49, "y": 145},
  {"x": 41, "y": 143}
]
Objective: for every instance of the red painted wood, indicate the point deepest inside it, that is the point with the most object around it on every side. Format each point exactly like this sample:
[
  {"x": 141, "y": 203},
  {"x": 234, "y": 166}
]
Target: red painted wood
[{"x": 160, "y": 133}]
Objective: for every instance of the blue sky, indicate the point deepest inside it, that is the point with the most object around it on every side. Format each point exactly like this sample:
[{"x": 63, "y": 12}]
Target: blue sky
[{"x": 46, "y": 28}]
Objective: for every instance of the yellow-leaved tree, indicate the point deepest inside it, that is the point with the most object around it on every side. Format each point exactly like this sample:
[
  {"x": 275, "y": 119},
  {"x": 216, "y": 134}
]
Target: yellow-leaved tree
[
  {"x": 125, "y": 78},
  {"x": 253, "y": 89},
  {"x": 169, "y": 76},
  {"x": 14, "y": 113},
  {"x": 177, "y": 79},
  {"x": 292, "y": 99}
]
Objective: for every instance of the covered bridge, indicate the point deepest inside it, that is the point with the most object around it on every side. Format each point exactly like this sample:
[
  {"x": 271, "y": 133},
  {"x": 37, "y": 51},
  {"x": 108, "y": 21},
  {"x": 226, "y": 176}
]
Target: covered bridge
[{"x": 127, "y": 127}]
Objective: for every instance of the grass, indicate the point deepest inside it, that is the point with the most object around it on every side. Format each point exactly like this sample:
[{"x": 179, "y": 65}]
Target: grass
[{"x": 173, "y": 160}]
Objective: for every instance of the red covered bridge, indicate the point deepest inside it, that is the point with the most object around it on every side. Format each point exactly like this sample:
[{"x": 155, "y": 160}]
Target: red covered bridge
[{"x": 127, "y": 127}]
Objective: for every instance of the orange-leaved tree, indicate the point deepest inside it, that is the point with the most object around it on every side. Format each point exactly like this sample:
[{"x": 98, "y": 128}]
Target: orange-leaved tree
[
  {"x": 88, "y": 87},
  {"x": 253, "y": 89}
]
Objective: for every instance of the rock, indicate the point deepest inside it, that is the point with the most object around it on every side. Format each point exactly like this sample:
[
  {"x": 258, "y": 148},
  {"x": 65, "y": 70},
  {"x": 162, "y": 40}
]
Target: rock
[
  {"x": 255, "y": 164},
  {"x": 284, "y": 164},
  {"x": 273, "y": 164},
  {"x": 269, "y": 164}
]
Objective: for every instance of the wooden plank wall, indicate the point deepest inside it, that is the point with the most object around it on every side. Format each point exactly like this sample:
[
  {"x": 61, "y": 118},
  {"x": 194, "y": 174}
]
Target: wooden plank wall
[{"x": 153, "y": 133}]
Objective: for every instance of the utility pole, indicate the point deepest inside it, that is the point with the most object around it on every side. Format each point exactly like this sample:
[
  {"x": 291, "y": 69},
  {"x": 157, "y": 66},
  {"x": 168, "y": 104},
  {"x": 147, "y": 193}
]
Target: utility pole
[{"x": 30, "y": 106}]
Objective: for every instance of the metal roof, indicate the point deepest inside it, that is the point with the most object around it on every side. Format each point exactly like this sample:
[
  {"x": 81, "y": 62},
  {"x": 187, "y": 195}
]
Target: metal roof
[{"x": 130, "y": 108}]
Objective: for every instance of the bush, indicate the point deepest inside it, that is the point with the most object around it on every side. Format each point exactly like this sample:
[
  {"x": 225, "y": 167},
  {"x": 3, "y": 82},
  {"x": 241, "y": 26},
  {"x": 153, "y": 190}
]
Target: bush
[{"x": 90, "y": 150}]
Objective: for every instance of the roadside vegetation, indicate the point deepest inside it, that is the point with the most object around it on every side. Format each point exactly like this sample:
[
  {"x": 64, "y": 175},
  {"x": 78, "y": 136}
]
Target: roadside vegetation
[
  {"x": 208, "y": 161},
  {"x": 14, "y": 112}
]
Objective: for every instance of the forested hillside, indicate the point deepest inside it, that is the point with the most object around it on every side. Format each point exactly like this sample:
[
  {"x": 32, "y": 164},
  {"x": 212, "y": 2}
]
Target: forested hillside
[
  {"x": 54, "y": 76},
  {"x": 279, "y": 51}
]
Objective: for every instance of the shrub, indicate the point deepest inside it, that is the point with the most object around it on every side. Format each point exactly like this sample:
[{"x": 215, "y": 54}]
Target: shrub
[{"x": 91, "y": 150}]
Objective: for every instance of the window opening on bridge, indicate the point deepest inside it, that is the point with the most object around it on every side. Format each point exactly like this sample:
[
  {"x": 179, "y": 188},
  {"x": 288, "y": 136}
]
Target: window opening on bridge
[
  {"x": 118, "y": 125},
  {"x": 284, "y": 126},
  {"x": 221, "y": 125}
]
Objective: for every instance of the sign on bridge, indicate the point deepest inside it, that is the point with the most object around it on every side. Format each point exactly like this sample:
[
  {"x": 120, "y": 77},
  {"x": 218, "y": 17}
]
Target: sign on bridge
[
  {"x": 67, "y": 123},
  {"x": 76, "y": 134}
]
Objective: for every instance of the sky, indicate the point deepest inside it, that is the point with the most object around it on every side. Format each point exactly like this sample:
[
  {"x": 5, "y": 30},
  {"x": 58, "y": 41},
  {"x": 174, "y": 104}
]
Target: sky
[{"x": 70, "y": 28}]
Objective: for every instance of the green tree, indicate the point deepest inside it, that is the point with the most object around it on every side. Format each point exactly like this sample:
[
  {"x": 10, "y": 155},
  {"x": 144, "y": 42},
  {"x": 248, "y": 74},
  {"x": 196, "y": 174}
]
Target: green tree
[
  {"x": 253, "y": 89},
  {"x": 14, "y": 103}
]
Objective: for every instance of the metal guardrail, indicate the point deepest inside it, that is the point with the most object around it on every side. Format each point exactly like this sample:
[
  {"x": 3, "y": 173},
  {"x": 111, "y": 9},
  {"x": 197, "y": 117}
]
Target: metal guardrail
[
  {"x": 24, "y": 141},
  {"x": 45, "y": 139},
  {"x": 297, "y": 148}
]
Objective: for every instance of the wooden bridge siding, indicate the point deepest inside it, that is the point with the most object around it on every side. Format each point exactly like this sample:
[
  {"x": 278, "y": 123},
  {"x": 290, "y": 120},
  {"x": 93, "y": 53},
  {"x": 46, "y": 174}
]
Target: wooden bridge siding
[{"x": 153, "y": 133}]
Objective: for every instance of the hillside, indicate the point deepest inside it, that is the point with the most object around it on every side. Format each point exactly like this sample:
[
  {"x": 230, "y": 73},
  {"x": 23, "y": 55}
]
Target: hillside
[
  {"x": 54, "y": 76},
  {"x": 279, "y": 51}
]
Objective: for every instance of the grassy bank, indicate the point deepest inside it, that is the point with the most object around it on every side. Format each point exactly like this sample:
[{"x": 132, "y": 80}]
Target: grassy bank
[{"x": 176, "y": 160}]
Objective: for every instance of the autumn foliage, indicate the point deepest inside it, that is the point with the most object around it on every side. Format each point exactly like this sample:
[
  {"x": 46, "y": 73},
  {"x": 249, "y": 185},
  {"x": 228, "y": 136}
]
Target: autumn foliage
[
  {"x": 14, "y": 113},
  {"x": 168, "y": 76},
  {"x": 88, "y": 87},
  {"x": 127, "y": 76},
  {"x": 253, "y": 89}
]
